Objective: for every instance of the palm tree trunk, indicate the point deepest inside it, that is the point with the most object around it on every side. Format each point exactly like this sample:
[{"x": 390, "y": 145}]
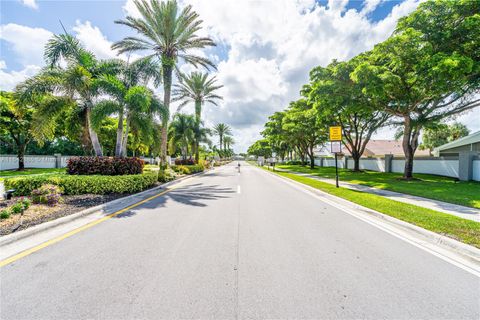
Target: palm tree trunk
[
  {"x": 198, "y": 115},
  {"x": 167, "y": 88},
  {"x": 93, "y": 136},
  {"x": 125, "y": 139},
  {"x": 119, "y": 142}
]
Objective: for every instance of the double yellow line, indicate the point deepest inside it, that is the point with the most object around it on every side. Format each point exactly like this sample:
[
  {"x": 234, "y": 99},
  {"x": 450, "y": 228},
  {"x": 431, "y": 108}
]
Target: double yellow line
[{"x": 80, "y": 229}]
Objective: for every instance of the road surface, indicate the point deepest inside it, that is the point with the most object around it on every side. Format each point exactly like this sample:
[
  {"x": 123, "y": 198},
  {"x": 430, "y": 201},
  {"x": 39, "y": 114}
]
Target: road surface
[{"x": 236, "y": 246}]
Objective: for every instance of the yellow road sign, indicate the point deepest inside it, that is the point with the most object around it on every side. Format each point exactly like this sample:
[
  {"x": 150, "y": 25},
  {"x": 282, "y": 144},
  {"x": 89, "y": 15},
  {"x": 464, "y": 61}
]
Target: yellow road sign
[{"x": 336, "y": 133}]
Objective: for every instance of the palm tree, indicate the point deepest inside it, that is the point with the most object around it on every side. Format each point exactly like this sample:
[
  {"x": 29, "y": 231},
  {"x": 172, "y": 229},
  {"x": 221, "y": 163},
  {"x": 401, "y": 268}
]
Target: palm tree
[
  {"x": 131, "y": 99},
  {"x": 196, "y": 88},
  {"x": 228, "y": 142},
  {"x": 222, "y": 130},
  {"x": 182, "y": 132},
  {"x": 77, "y": 81},
  {"x": 169, "y": 34}
]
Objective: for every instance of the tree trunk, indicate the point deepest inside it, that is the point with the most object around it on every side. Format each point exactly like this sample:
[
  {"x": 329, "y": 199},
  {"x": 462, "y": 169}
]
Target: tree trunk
[
  {"x": 312, "y": 161},
  {"x": 125, "y": 138},
  {"x": 167, "y": 88},
  {"x": 119, "y": 142},
  {"x": 198, "y": 119},
  {"x": 93, "y": 136},
  {"x": 356, "y": 162},
  {"x": 409, "y": 144},
  {"x": 21, "y": 156}
]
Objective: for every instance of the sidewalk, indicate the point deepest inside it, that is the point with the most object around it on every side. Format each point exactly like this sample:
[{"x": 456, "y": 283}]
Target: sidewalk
[{"x": 450, "y": 208}]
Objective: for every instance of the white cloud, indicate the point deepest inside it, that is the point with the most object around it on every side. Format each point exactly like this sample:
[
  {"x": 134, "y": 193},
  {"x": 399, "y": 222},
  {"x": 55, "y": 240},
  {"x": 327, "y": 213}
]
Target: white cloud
[
  {"x": 9, "y": 79},
  {"x": 27, "y": 43},
  {"x": 272, "y": 46},
  {"x": 30, "y": 3}
]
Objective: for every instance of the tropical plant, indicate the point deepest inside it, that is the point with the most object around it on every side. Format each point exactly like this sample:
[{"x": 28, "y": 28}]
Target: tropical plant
[
  {"x": 169, "y": 34},
  {"x": 182, "y": 133},
  {"x": 199, "y": 89},
  {"x": 222, "y": 130},
  {"x": 438, "y": 134},
  {"x": 64, "y": 87},
  {"x": 132, "y": 101},
  {"x": 228, "y": 142}
]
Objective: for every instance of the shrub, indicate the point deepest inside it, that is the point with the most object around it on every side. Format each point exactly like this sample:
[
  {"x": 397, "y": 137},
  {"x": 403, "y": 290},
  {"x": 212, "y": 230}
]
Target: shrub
[
  {"x": 26, "y": 203},
  {"x": 196, "y": 168},
  {"x": 188, "y": 169},
  {"x": 4, "y": 214},
  {"x": 184, "y": 162},
  {"x": 72, "y": 184},
  {"x": 47, "y": 194},
  {"x": 108, "y": 166},
  {"x": 294, "y": 162},
  {"x": 16, "y": 208},
  {"x": 166, "y": 176}
]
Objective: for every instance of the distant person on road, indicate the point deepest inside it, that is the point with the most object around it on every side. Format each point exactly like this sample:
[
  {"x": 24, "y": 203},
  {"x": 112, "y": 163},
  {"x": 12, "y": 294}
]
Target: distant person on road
[{"x": 238, "y": 166}]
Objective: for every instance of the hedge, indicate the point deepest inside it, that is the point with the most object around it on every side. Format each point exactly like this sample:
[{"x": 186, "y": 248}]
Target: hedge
[
  {"x": 188, "y": 169},
  {"x": 79, "y": 184},
  {"x": 109, "y": 166},
  {"x": 185, "y": 162}
]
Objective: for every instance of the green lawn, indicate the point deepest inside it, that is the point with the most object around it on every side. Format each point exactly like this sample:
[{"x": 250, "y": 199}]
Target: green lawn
[
  {"x": 429, "y": 186},
  {"x": 29, "y": 171},
  {"x": 460, "y": 229}
]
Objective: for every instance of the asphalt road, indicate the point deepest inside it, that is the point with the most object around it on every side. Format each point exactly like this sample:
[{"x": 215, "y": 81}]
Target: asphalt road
[{"x": 236, "y": 246}]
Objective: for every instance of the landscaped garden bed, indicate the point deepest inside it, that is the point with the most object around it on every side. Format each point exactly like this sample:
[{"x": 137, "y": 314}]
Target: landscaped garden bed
[{"x": 39, "y": 213}]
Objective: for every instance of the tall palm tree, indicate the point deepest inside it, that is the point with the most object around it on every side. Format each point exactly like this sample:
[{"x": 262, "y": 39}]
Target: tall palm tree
[
  {"x": 199, "y": 89},
  {"x": 222, "y": 130},
  {"x": 169, "y": 34},
  {"x": 228, "y": 142},
  {"x": 77, "y": 80},
  {"x": 131, "y": 99},
  {"x": 182, "y": 132}
]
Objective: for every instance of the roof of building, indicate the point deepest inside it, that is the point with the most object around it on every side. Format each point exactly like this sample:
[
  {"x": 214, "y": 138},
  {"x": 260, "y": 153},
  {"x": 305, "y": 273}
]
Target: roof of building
[
  {"x": 382, "y": 147},
  {"x": 472, "y": 138}
]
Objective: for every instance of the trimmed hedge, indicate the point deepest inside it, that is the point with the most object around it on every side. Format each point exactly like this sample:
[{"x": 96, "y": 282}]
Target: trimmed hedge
[
  {"x": 75, "y": 184},
  {"x": 108, "y": 166}
]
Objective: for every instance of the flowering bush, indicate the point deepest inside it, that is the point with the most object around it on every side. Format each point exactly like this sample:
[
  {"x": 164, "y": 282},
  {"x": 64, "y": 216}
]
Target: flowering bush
[
  {"x": 108, "y": 166},
  {"x": 184, "y": 162},
  {"x": 47, "y": 194}
]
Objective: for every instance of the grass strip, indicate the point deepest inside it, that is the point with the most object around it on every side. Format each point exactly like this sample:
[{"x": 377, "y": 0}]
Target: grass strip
[
  {"x": 466, "y": 193},
  {"x": 463, "y": 230}
]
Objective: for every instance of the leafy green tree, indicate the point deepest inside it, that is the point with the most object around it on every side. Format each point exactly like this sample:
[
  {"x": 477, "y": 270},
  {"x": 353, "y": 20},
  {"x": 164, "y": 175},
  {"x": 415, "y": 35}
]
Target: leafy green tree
[
  {"x": 428, "y": 70},
  {"x": 440, "y": 133},
  {"x": 169, "y": 34},
  {"x": 277, "y": 137},
  {"x": 260, "y": 148},
  {"x": 341, "y": 101},
  {"x": 305, "y": 128},
  {"x": 222, "y": 130},
  {"x": 15, "y": 125},
  {"x": 199, "y": 89}
]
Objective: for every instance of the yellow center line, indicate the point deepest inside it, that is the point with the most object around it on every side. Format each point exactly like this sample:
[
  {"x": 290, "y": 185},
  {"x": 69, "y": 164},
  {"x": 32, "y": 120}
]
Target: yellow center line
[{"x": 82, "y": 228}]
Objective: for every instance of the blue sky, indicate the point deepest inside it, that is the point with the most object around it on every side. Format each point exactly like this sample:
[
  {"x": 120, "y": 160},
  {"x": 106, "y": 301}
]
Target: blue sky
[{"x": 265, "y": 48}]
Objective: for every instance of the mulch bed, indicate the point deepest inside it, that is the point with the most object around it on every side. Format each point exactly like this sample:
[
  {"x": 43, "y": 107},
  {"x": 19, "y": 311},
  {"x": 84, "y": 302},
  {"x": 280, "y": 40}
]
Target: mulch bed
[{"x": 39, "y": 213}]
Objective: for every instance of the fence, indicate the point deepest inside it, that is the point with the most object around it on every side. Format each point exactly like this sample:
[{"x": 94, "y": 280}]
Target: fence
[
  {"x": 10, "y": 162},
  {"x": 465, "y": 167}
]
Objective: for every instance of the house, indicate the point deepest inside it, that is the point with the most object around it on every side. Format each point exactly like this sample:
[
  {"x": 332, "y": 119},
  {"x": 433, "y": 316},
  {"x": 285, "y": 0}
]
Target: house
[
  {"x": 375, "y": 148},
  {"x": 465, "y": 144}
]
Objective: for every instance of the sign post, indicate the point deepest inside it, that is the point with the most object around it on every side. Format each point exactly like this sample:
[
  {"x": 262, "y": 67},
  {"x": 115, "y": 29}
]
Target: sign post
[{"x": 336, "y": 146}]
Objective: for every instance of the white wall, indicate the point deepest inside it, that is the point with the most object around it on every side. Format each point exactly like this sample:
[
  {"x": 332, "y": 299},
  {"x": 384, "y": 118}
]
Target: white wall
[
  {"x": 374, "y": 164},
  {"x": 441, "y": 167},
  {"x": 476, "y": 170}
]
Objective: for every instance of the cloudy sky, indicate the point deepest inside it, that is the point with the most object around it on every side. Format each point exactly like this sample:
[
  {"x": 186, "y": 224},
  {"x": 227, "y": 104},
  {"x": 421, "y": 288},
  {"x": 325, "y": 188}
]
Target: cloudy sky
[{"x": 264, "y": 51}]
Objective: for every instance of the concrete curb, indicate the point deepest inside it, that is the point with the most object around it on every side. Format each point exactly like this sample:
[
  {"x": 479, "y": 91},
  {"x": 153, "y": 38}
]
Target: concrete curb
[
  {"x": 467, "y": 251},
  {"x": 9, "y": 238}
]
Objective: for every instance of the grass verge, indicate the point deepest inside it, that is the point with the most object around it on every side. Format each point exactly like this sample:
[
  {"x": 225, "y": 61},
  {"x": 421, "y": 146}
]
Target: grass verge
[
  {"x": 428, "y": 186},
  {"x": 463, "y": 230},
  {"x": 30, "y": 171}
]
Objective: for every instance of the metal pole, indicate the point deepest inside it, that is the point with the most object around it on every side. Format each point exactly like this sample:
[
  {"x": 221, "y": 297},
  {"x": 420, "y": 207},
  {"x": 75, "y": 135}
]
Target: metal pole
[{"x": 336, "y": 170}]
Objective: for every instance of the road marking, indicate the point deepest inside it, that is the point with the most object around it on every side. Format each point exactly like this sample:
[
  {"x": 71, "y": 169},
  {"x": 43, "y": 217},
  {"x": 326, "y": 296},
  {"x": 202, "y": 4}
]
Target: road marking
[
  {"x": 470, "y": 267},
  {"x": 238, "y": 189},
  {"x": 82, "y": 228}
]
